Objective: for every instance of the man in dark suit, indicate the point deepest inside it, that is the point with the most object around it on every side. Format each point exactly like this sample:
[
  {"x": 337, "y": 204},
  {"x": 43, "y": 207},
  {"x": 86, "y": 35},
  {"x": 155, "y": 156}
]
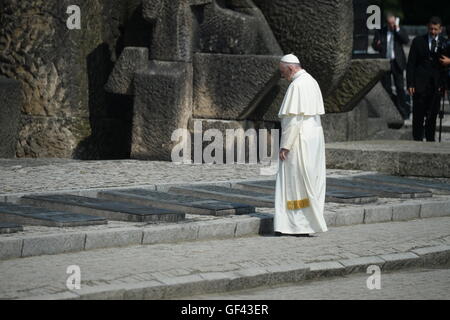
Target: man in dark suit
[
  {"x": 425, "y": 77},
  {"x": 389, "y": 41}
]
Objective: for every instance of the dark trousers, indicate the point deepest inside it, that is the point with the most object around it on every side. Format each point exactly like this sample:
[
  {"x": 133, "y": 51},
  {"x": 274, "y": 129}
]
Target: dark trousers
[
  {"x": 426, "y": 107},
  {"x": 399, "y": 82}
]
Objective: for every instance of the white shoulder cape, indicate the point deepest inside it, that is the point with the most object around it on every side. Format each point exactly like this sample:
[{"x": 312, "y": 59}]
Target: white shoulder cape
[{"x": 303, "y": 97}]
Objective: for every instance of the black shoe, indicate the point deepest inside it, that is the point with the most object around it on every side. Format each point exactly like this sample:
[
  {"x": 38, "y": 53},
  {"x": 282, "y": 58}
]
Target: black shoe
[{"x": 303, "y": 235}]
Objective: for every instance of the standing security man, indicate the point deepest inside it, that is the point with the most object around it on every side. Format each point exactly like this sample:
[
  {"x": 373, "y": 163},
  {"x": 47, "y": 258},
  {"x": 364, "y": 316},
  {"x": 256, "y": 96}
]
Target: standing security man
[
  {"x": 425, "y": 77},
  {"x": 389, "y": 41}
]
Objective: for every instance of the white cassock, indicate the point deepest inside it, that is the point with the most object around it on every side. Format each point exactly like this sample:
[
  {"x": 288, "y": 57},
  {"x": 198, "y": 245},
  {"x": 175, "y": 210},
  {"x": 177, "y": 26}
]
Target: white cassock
[{"x": 301, "y": 179}]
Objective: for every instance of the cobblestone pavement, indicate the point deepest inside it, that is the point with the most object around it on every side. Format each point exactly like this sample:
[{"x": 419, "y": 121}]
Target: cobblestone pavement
[
  {"x": 43, "y": 275},
  {"x": 421, "y": 284},
  {"x": 42, "y": 175}
]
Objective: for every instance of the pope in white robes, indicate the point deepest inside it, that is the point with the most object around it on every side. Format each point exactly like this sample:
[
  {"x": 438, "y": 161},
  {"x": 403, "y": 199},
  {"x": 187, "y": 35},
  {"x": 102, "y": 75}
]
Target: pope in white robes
[{"x": 301, "y": 177}]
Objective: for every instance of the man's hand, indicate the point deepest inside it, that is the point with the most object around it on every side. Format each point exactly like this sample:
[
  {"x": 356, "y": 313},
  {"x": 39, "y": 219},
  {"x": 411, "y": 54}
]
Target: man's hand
[
  {"x": 284, "y": 154},
  {"x": 445, "y": 61},
  {"x": 411, "y": 91}
]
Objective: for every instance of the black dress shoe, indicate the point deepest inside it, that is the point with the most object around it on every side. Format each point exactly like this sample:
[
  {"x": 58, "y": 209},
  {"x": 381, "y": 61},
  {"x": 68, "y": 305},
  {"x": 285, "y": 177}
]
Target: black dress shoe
[{"x": 303, "y": 236}]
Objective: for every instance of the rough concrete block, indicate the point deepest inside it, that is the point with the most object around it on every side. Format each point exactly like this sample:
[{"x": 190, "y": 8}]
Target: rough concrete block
[
  {"x": 349, "y": 216},
  {"x": 166, "y": 234},
  {"x": 434, "y": 256},
  {"x": 248, "y": 278},
  {"x": 434, "y": 209},
  {"x": 378, "y": 214},
  {"x": 53, "y": 244},
  {"x": 405, "y": 211},
  {"x": 361, "y": 264},
  {"x": 184, "y": 286},
  {"x": 287, "y": 273},
  {"x": 113, "y": 238},
  {"x": 397, "y": 261},
  {"x": 250, "y": 226},
  {"x": 148, "y": 290},
  {"x": 10, "y": 248},
  {"x": 108, "y": 292},
  {"x": 325, "y": 269},
  {"x": 330, "y": 218},
  {"x": 52, "y": 297},
  {"x": 216, "y": 229}
]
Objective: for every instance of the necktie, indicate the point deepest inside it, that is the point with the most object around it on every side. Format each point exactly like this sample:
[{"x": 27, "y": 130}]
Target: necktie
[
  {"x": 390, "y": 47},
  {"x": 433, "y": 46}
]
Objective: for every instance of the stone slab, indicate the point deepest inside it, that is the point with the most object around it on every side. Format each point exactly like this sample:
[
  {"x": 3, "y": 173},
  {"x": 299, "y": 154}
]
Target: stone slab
[
  {"x": 405, "y": 158},
  {"x": 113, "y": 238},
  {"x": 360, "y": 264},
  {"x": 38, "y": 216},
  {"x": 434, "y": 209},
  {"x": 6, "y": 228},
  {"x": 216, "y": 229},
  {"x": 325, "y": 269},
  {"x": 398, "y": 261},
  {"x": 405, "y": 211},
  {"x": 227, "y": 194},
  {"x": 350, "y": 216},
  {"x": 434, "y": 256},
  {"x": 171, "y": 201},
  {"x": 410, "y": 182},
  {"x": 170, "y": 234},
  {"x": 379, "y": 189},
  {"x": 378, "y": 214},
  {"x": 99, "y": 207},
  {"x": 53, "y": 244},
  {"x": 10, "y": 249}
]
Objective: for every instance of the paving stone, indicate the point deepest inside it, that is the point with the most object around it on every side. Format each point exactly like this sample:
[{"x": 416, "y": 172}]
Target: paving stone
[
  {"x": 349, "y": 216},
  {"x": 378, "y": 214},
  {"x": 107, "y": 292},
  {"x": 325, "y": 269},
  {"x": 405, "y": 211},
  {"x": 54, "y": 297},
  {"x": 171, "y": 201},
  {"x": 10, "y": 249},
  {"x": 167, "y": 234},
  {"x": 398, "y": 261},
  {"x": 361, "y": 264},
  {"x": 53, "y": 244},
  {"x": 227, "y": 194},
  {"x": 113, "y": 238},
  {"x": 38, "y": 216},
  {"x": 434, "y": 256},
  {"x": 103, "y": 208},
  {"x": 388, "y": 191},
  {"x": 6, "y": 228},
  {"x": 184, "y": 286},
  {"x": 434, "y": 209}
]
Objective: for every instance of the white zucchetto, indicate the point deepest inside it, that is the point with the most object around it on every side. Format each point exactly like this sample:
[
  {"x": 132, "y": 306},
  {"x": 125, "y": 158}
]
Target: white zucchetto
[{"x": 290, "y": 58}]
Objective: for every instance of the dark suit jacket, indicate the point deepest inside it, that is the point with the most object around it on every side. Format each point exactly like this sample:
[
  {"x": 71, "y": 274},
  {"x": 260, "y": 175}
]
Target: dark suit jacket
[
  {"x": 400, "y": 39},
  {"x": 423, "y": 66}
]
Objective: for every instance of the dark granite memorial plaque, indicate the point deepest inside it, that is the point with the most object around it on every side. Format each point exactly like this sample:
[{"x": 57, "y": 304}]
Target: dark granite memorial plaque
[
  {"x": 23, "y": 214},
  {"x": 382, "y": 190},
  {"x": 171, "y": 201},
  {"x": 111, "y": 210},
  {"x": 430, "y": 185},
  {"x": 227, "y": 194},
  {"x": 333, "y": 194}
]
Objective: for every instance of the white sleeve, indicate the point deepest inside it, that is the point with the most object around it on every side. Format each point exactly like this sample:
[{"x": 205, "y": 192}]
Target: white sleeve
[{"x": 290, "y": 131}]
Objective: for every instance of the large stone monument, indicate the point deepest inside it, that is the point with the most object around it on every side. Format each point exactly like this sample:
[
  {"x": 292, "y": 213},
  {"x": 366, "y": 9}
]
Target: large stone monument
[{"x": 139, "y": 69}]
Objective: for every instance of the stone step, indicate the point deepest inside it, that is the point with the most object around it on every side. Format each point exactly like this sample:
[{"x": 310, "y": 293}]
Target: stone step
[
  {"x": 333, "y": 194},
  {"x": 22, "y": 214},
  {"x": 382, "y": 190},
  {"x": 252, "y": 198},
  {"x": 111, "y": 210},
  {"x": 429, "y": 185},
  {"x": 170, "y": 201},
  {"x": 7, "y": 228}
]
